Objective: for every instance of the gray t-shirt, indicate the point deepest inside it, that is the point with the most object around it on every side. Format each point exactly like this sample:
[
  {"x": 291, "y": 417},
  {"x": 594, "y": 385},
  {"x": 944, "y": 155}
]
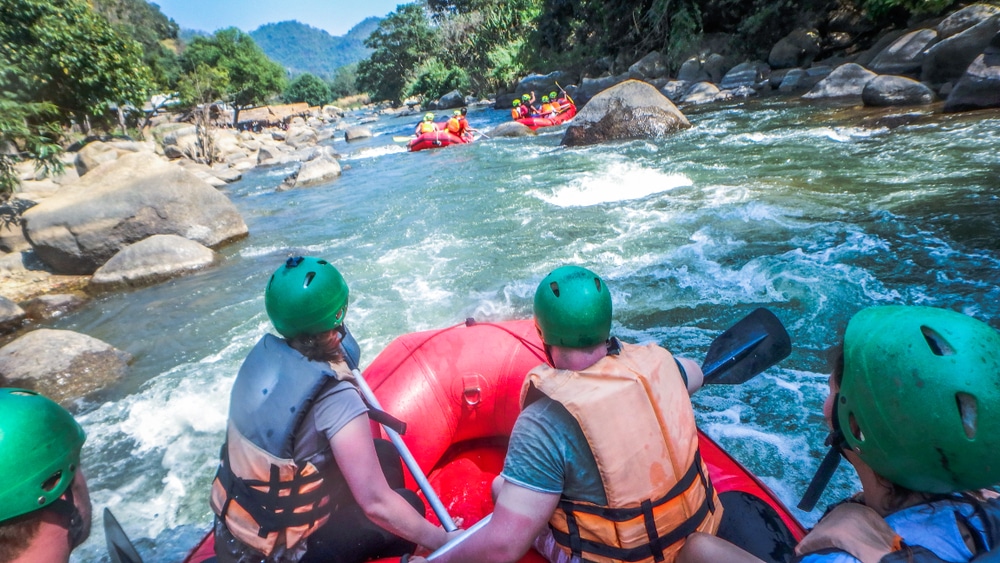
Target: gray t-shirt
[
  {"x": 338, "y": 403},
  {"x": 548, "y": 453}
]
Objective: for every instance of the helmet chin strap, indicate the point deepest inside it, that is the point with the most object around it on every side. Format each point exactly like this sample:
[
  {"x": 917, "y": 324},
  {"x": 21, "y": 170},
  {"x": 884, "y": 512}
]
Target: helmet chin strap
[
  {"x": 76, "y": 531},
  {"x": 829, "y": 464}
]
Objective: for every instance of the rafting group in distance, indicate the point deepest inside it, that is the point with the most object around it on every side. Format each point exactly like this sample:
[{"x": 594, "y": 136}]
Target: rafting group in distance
[
  {"x": 430, "y": 134},
  {"x": 554, "y": 110},
  {"x": 584, "y": 447}
]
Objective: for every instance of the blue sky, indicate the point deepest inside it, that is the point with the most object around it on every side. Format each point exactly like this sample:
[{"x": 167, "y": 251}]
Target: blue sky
[{"x": 334, "y": 16}]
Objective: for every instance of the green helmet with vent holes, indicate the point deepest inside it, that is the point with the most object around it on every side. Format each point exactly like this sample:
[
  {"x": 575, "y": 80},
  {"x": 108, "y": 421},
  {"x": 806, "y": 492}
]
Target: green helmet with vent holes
[
  {"x": 306, "y": 296},
  {"x": 919, "y": 400},
  {"x": 573, "y": 308}
]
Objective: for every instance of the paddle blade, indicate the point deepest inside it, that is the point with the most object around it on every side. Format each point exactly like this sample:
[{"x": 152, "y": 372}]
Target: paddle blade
[
  {"x": 120, "y": 548},
  {"x": 752, "y": 345},
  {"x": 403, "y": 138}
]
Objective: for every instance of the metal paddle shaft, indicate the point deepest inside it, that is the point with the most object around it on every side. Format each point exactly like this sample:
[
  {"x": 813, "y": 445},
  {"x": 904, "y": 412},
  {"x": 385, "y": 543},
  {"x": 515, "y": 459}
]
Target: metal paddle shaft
[
  {"x": 755, "y": 343},
  {"x": 120, "y": 548},
  {"x": 411, "y": 463}
]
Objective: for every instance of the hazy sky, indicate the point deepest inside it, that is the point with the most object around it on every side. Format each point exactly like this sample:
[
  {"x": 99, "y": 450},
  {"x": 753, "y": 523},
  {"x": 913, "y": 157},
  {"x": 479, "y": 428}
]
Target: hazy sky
[{"x": 335, "y": 16}]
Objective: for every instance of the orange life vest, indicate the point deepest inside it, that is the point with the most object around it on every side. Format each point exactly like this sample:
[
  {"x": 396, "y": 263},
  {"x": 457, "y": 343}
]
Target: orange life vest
[
  {"x": 454, "y": 126},
  {"x": 426, "y": 127},
  {"x": 657, "y": 486},
  {"x": 515, "y": 113},
  {"x": 547, "y": 108}
]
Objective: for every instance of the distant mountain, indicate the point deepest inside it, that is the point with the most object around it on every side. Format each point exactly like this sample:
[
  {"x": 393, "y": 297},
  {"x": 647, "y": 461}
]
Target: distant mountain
[{"x": 301, "y": 48}]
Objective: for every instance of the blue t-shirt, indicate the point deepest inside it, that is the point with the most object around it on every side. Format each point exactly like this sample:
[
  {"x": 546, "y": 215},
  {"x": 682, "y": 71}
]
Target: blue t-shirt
[{"x": 548, "y": 453}]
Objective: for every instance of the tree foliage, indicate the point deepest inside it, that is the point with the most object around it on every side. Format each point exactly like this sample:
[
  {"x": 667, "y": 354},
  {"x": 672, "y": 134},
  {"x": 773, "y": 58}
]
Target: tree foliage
[
  {"x": 403, "y": 41},
  {"x": 30, "y": 129},
  {"x": 155, "y": 32},
  {"x": 252, "y": 77},
  {"x": 307, "y": 88},
  {"x": 345, "y": 82}
]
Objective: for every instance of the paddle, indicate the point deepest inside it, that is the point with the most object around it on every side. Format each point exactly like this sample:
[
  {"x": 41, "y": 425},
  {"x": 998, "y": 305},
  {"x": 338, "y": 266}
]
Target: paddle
[
  {"x": 755, "y": 343},
  {"x": 120, "y": 548},
  {"x": 403, "y": 138}
]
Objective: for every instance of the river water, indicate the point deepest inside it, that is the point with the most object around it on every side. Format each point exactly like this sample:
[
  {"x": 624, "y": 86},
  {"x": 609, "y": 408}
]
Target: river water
[{"x": 811, "y": 211}]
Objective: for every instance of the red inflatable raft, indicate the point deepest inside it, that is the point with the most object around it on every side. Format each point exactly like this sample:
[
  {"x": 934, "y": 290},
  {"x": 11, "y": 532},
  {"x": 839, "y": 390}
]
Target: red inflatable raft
[
  {"x": 436, "y": 140},
  {"x": 539, "y": 122},
  {"x": 458, "y": 390}
]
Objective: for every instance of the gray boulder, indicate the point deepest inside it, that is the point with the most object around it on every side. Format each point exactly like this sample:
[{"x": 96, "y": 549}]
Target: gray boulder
[
  {"x": 947, "y": 60},
  {"x": 797, "y": 49},
  {"x": 11, "y": 315},
  {"x": 979, "y": 87},
  {"x": 631, "y": 110},
  {"x": 512, "y": 129},
  {"x": 49, "y": 306},
  {"x": 674, "y": 90},
  {"x": 316, "y": 171},
  {"x": 122, "y": 202},
  {"x": 965, "y": 18},
  {"x": 652, "y": 66},
  {"x": 152, "y": 260},
  {"x": 61, "y": 364},
  {"x": 700, "y": 93},
  {"x": 93, "y": 155},
  {"x": 716, "y": 66},
  {"x": 271, "y": 155},
  {"x": 845, "y": 80},
  {"x": 542, "y": 83},
  {"x": 357, "y": 133},
  {"x": 590, "y": 87},
  {"x": 302, "y": 136},
  {"x": 451, "y": 100},
  {"x": 692, "y": 70},
  {"x": 754, "y": 74},
  {"x": 888, "y": 90},
  {"x": 906, "y": 54}
]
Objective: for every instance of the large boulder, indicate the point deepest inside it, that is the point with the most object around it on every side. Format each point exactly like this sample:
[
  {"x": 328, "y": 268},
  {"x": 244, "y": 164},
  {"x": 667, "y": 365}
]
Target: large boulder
[
  {"x": 797, "y": 49},
  {"x": 512, "y": 129},
  {"x": 93, "y": 155},
  {"x": 946, "y": 61},
  {"x": 357, "y": 133},
  {"x": 542, "y": 83},
  {"x": 631, "y": 110},
  {"x": 652, "y": 66},
  {"x": 152, "y": 260},
  {"x": 451, "y": 100},
  {"x": 754, "y": 74},
  {"x": 693, "y": 70},
  {"x": 965, "y": 18},
  {"x": 906, "y": 54},
  {"x": 319, "y": 170},
  {"x": 11, "y": 315},
  {"x": 61, "y": 364},
  {"x": 122, "y": 202},
  {"x": 302, "y": 136},
  {"x": 845, "y": 80},
  {"x": 590, "y": 87},
  {"x": 888, "y": 90},
  {"x": 700, "y": 93},
  {"x": 979, "y": 87}
]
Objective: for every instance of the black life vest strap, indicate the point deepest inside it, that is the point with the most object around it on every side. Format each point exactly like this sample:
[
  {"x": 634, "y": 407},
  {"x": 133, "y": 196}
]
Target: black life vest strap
[
  {"x": 269, "y": 508},
  {"x": 657, "y": 544}
]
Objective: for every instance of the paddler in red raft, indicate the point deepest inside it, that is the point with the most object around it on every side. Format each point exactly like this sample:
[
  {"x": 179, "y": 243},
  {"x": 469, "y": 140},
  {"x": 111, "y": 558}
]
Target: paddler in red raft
[
  {"x": 427, "y": 125},
  {"x": 560, "y": 486},
  {"x": 914, "y": 406}
]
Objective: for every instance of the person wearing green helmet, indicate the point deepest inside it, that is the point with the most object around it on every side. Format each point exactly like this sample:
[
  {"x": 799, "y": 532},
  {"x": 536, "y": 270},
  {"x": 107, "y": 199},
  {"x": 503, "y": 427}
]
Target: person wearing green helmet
[
  {"x": 914, "y": 406},
  {"x": 564, "y": 487},
  {"x": 427, "y": 125},
  {"x": 518, "y": 111},
  {"x": 301, "y": 478},
  {"x": 45, "y": 505},
  {"x": 547, "y": 110},
  {"x": 528, "y": 101}
]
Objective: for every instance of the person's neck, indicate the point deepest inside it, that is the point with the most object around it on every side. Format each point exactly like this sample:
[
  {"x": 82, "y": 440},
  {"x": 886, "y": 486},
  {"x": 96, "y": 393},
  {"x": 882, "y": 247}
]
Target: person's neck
[
  {"x": 50, "y": 544},
  {"x": 878, "y": 494},
  {"x": 576, "y": 359}
]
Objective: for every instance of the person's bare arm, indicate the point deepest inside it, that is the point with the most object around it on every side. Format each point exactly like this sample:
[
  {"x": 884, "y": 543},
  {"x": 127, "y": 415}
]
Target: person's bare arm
[
  {"x": 705, "y": 548},
  {"x": 695, "y": 377},
  {"x": 355, "y": 453},
  {"x": 519, "y": 516}
]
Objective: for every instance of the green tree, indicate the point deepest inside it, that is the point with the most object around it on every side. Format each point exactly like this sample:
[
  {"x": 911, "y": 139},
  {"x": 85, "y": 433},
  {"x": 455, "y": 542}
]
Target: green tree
[
  {"x": 61, "y": 51},
  {"x": 345, "y": 81},
  {"x": 309, "y": 89},
  {"x": 435, "y": 79},
  {"x": 403, "y": 41},
  {"x": 199, "y": 89},
  {"x": 29, "y": 130},
  {"x": 253, "y": 77},
  {"x": 155, "y": 32}
]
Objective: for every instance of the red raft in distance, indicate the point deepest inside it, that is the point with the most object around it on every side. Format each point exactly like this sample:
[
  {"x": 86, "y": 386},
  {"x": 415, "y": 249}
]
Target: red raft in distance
[
  {"x": 458, "y": 390},
  {"x": 536, "y": 123}
]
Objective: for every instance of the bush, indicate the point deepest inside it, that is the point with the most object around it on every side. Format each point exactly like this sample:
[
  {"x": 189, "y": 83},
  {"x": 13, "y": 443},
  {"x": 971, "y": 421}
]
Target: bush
[
  {"x": 434, "y": 79},
  {"x": 308, "y": 88}
]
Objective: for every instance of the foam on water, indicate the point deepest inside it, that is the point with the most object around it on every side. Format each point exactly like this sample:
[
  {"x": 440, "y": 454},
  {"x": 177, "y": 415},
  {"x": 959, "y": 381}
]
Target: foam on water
[
  {"x": 619, "y": 181},
  {"x": 374, "y": 152}
]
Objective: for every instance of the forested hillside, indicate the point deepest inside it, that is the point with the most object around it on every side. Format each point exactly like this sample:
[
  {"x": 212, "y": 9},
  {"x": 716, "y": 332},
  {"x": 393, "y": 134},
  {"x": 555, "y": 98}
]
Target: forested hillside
[{"x": 301, "y": 48}]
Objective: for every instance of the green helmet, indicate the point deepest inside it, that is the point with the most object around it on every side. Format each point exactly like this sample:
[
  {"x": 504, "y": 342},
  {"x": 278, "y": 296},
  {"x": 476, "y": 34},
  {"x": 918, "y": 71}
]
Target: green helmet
[
  {"x": 573, "y": 308},
  {"x": 457, "y": 112},
  {"x": 545, "y": 99},
  {"x": 922, "y": 388},
  {"x": 428, "y": 116},
  {"x": 306, "y": 296},
  {"x": 516, "y": 102},
  {"x": 553, "y": 95},
  {"x": 525, "y": 97},
  {"x": 40, "y": 447}
]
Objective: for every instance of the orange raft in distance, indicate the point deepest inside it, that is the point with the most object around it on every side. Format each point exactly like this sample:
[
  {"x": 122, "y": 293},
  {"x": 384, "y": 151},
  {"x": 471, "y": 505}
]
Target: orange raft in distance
[
  {"x": 458, "y": 390},
  {"x": 536, "y": 123}
]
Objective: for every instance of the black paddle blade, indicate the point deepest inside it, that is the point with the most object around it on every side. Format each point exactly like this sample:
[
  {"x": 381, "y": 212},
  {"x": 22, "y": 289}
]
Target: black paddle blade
[
  {"x": 120, "y": 548},
  {"x": 752, "y": 345}
]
